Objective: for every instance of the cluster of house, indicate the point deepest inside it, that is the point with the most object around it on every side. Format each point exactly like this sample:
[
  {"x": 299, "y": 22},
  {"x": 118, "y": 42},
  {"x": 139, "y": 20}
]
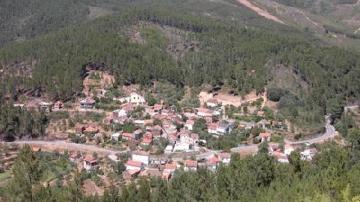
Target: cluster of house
[
  {"x": 282, "y": 155},
  {"x": 143, "y": 164},
  {"x": 165, "y": 122}
]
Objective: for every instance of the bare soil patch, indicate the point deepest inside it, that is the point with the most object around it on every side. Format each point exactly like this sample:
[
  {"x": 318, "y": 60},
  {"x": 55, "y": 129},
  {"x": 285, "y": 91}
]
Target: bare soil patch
[
  {"x": 91, "y": 189},
  {"x": 260, "y": 11},
  {"x": 228, "y": 99}
]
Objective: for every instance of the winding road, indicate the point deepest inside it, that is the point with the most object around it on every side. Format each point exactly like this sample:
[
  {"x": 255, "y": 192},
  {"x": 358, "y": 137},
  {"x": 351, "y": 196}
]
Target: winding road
[{"x": 329, "y": 133}]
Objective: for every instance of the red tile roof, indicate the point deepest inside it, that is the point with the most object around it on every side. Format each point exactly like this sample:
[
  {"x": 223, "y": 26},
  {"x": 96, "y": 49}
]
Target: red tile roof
[
  {"x": 265, "y": 134},
  {"x": 191, "y": 163},
  {"x": 90, "y": 159},
  {"x": 127, "y": 135},
  {"x": 190, "y": 122},
  {"x": 213, "y": 126},
  {"x": 170, "y": 166},
  {"x": 134, "y": 163},
  {"x": 158, "y": 107},
  {"x": 213, "y": 160}
]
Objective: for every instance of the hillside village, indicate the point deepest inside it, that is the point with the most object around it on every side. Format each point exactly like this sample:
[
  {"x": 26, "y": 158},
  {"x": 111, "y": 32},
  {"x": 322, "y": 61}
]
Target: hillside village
[
  {"x": 191, "y": 100},
  {"x": 150, "y": 138}
]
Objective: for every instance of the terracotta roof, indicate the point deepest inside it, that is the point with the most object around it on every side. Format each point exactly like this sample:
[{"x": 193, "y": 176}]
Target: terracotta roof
[
  {"x": 265, "y": 134},
  {"x": 134, "y": 163},
  {"x": 146, "y": 141},
  {"x": 170, "y": 166},
  {"x": 91, "y": 128},
  {"x": 190, "y": 122},
  {"x": 148, "y": 135},
  {"x": 90, "y": 159},
  {"x": 190, "y": 163},
  {"x": 128, "y": 135},
  {"x": 213, "y": 126},
  {"x": 158, "y": 107},
  {"x": 213, "y": 160}
]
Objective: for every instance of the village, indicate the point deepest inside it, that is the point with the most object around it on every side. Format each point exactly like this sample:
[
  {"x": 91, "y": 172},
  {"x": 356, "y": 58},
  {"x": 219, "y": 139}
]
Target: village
[{"x": 154, "y": 139}]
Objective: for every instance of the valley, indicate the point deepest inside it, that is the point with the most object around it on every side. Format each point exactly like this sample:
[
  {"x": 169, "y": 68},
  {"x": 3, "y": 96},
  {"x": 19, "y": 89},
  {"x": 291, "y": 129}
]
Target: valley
[{"x": 192, "y": 100}]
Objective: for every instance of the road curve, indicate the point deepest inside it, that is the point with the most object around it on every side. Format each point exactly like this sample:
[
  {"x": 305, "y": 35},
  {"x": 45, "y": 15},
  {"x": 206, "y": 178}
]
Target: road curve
[
  {"x": 63, "y": 145},
  {"x": 330, "y": 133}
]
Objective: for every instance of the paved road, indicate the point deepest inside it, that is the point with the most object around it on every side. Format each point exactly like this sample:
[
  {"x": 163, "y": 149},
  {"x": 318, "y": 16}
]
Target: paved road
[
  {"x": 329, "y": 133},
  {"x": 62, "y": 146}
]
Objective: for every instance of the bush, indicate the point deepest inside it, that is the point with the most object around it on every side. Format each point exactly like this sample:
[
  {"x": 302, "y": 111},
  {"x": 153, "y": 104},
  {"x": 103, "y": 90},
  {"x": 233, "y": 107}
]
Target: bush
[{"x": 275, "y": 94}]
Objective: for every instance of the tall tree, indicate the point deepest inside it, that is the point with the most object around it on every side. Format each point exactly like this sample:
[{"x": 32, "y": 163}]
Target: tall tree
[{"x": 26, "y": 176}]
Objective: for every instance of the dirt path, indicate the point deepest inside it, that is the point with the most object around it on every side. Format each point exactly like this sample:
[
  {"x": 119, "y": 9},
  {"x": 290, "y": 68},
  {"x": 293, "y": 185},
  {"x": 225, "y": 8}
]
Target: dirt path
[{"x": 260, "y": 11}]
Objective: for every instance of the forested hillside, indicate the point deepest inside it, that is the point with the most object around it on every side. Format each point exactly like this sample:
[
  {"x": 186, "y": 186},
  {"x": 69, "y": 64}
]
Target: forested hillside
[
  {"x": 229, "y": 53},
  {"x": 21, "y": 20}
]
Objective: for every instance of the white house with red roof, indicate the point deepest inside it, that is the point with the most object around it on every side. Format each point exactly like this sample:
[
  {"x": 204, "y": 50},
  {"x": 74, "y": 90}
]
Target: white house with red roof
[
  {"x": 212, "y": 163},
  {"x": 265, "y": 136},
  {"x": 158, "y": 107},
  {"x": 90, "y": 163},
  {"x": 130, "y": 136},
  {"x": 190, "y": 165},
  {"x": 147, "y": 139},
  {"x": 224, "y": 157},
  {"x": 213, "y": 128},
  {"x": 134, "y": 165}
]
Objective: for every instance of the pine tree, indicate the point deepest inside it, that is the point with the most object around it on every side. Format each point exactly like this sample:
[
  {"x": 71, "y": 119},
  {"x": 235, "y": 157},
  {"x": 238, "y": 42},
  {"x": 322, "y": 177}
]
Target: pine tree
[{"x": 26, "y": 176}]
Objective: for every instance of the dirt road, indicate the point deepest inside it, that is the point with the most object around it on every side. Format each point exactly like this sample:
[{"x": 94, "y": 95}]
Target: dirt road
[{"x": 260, "y": 11}]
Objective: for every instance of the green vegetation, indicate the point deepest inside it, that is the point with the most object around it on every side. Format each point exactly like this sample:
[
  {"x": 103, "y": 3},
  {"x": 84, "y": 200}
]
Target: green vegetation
[
  {"x": 332, "y": 175},
  {"x": 16, "y": 122},
  {"x": 228, "y": 53}
]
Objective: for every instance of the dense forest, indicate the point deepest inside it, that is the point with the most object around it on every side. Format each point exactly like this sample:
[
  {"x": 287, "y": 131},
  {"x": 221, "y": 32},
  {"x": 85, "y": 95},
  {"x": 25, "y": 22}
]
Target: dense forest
[
  {"x": 241, "y": 57},
  {"x": 21, "y": 20},
  {"x": 332, "y": 176}
]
